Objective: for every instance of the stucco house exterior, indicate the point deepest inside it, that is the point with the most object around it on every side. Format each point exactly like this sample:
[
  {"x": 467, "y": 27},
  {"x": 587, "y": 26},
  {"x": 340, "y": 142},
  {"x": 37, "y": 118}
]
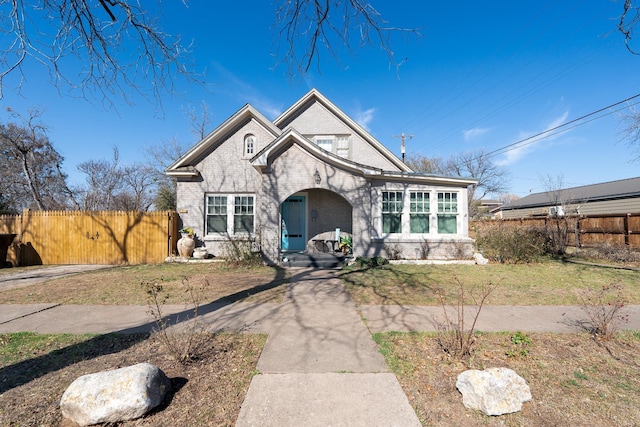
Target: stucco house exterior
[
  {"x": 292, "y": 183},
  {"x": 613, "y": 197}
]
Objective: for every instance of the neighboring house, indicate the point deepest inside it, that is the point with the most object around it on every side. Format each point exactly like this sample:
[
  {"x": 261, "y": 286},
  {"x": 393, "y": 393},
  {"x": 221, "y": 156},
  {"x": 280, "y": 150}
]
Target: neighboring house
[
  {"x": 288, "y": 184},
  {"x": 614, "y": 197}
]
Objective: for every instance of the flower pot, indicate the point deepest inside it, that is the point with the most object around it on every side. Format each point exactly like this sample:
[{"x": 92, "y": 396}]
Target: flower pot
[
  {"x": 186, "y": 245},
  {"x": 200, "y": 253}
]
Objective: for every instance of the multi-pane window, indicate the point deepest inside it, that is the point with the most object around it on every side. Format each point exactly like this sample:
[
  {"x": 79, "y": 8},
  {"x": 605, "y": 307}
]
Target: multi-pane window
[
  {"x": 325, "y": 143},
  {"x": 216, "y": 214},
  {"x": 418, "y": 212},
  {"x": 230, "y": 214},
  {"x": 342, "y": 146},
  {"x": 249, "y": 144},
  {"x": 391, "y": 212},
  {"x": 447, "y": 213},
  {"x": 243, "y": 214}
]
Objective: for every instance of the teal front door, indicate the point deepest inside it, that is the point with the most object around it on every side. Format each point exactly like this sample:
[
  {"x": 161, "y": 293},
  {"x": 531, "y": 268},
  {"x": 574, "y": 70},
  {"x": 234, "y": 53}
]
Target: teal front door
[{"x": 293, "y": 224}]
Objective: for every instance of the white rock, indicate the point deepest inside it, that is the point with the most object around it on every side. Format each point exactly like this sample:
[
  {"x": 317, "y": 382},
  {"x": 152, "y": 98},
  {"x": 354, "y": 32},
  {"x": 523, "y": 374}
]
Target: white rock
[
  {"x": 480, "y": 260},
  {"x": 117, "y": 395},
  {"x": 494, "y": 391}
]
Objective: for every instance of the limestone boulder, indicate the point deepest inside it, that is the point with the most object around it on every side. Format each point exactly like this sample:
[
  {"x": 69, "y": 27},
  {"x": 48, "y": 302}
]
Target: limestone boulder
[
  {"x": 494, "y": 391},
  {"x": 116, "y": 395}
]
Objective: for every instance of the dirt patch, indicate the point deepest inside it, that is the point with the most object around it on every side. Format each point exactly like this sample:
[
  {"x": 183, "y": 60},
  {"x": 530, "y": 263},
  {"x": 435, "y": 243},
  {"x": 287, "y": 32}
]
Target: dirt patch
[
  {"x": 208, "y": 391},
  {"x": 574, "y": 380}
]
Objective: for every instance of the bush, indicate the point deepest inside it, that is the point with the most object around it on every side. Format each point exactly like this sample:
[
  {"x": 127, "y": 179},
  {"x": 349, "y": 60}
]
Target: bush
[
  {"x": 363, "y": 262},
  {"x": 603, "y": 307},
  {"x": 501, "y": 243}
]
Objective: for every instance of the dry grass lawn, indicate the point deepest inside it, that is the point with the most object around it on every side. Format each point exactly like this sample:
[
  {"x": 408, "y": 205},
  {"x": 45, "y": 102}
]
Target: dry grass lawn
[{"x": 574, "y": 379}]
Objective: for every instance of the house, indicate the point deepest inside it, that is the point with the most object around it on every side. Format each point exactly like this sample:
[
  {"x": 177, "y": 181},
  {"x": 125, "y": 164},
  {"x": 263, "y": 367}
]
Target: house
[
  {"x": 310, "y": 177},
  {"x": 614, "y": 197}
]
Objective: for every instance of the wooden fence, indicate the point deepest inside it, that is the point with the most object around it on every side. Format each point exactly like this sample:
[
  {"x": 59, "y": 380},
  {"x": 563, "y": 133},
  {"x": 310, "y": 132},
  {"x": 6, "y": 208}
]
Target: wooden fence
[
  {"x": 62, "y": 237},
  {"x": 583, "y": 231}
]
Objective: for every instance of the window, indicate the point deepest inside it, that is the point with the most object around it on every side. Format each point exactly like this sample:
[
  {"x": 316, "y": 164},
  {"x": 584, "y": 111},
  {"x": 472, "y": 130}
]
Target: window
[
  {"x": 216, "y": 214},
  {"x": 419, "y": 212},
  {"x": 447, "y": 213},
  {"x": 336, "y": 144},
  {"x": 342, "y": 146},
  {"x": 243, "y": 214},
  {"x": 325, "y": 143},
  {"x": 249, "y": 144},
  {"x": 392, "y": 212},
  {"x": 230, "y": 214}
]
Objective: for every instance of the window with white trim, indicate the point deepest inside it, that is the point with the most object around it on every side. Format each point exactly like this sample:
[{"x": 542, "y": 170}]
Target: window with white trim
[
  {"x": 339, "y": 145},
  {"x": 249, "y": 144},
  {"x": 391, "y": 212},
  {"x": 230, "y": 214},
  {"x": 419, "y": 212},
  {"x": 447, "y": 213},
  {"x": 216, "y": 214},
  {"x": 342, "y": 146},
  {"x": 243, "y": 214}
]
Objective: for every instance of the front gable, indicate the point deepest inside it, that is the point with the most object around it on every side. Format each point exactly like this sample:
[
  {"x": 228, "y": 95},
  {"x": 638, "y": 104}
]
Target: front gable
[{"x": 319, "y": 120}]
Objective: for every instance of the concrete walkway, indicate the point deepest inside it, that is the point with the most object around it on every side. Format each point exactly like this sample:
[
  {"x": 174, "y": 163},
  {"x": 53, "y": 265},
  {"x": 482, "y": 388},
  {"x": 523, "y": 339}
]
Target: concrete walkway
[{"x": 319, "y": 366}]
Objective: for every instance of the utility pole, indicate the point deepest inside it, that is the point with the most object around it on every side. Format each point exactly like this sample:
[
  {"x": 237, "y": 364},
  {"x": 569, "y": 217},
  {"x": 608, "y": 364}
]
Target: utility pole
[{"x": 402, "y": 149}]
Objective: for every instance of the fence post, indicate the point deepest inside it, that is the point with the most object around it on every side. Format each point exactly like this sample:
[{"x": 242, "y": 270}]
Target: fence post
[{"x": 626, "y": 230}]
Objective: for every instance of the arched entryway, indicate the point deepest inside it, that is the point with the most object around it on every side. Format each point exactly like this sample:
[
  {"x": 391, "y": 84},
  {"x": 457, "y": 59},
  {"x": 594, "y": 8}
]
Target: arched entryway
[{"x": 311, "y": 216}]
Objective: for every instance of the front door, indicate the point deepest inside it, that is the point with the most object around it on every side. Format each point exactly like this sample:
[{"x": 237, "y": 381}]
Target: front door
[{"x": 293, "y": 224}]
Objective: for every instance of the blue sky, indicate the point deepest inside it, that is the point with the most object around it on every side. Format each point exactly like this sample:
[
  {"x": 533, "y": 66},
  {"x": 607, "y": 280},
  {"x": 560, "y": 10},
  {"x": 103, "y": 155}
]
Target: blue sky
[{"x": 484, "y": 75}]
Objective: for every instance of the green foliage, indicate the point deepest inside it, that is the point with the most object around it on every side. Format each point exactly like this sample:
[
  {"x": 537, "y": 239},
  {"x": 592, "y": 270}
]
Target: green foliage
[
  {"x": 520, "y": 341},
  {"x": 364, "y": 262}
]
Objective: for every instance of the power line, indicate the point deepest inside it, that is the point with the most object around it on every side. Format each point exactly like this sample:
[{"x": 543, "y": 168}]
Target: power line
[{"x": 528, "y": 140}]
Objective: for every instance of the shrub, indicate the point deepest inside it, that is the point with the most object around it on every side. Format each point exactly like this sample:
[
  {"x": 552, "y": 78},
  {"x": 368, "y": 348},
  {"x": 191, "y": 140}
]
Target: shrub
[
  {"x": 393, "y": 251},
  {"x": 603, "y": 307},
  {"x": 456, "y": 335},
  {"x": 187, "y": 344},
  {"x": 505, "y": 244},
  {"x": 363, "y": 262},
  {"x": 240, "y": 251}
]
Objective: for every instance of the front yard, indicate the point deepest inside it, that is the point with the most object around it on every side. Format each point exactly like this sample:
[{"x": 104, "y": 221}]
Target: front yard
[{"x": 574, "y": 379}]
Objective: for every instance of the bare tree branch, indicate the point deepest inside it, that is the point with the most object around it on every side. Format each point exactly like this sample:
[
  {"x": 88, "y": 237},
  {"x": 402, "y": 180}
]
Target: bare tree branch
[
  {"x": 305, "y": 27},
  {"x": 629, "y": 20},
  {"x": 121, "y": 51}
]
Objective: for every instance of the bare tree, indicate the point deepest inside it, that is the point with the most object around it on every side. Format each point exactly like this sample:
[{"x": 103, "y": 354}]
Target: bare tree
[
  {"x": 628, "y": 23},
  {"x": 118, "y": 42},
  {"x": 631, "y": 130},
  {"x": 31, "y": 167},
  {"x": 473, "y": 164},
  {"x": 103, "y": 183},
  {"x": 306, "y": 27}
]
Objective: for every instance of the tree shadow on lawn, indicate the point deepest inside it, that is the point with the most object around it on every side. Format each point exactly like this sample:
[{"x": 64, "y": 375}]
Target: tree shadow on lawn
[
  {"x": 28, "y": 370},
  {"x": 409, "y": 280}
]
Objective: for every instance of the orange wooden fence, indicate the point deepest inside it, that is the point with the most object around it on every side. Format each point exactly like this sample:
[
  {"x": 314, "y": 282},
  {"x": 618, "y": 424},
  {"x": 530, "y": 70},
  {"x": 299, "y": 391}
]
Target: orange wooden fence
[
  {"x": 584, "y": 231},
  {"x": 110, "y": 237}
]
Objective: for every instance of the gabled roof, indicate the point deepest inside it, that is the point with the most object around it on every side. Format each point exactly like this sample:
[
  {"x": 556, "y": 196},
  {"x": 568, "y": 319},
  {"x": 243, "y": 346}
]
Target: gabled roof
[
  {"x": 291, "y": 136},
  {"x": 285, "y": 118},
  {"x": 620, "y": 189},
  {"x": 183, "y": 166}
]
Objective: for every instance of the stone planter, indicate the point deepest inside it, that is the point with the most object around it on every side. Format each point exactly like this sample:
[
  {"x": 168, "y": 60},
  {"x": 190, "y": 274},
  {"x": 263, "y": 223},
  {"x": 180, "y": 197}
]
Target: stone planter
[
  {"x": 200, "y": 253},
  {"x": 186, "y": 245}
]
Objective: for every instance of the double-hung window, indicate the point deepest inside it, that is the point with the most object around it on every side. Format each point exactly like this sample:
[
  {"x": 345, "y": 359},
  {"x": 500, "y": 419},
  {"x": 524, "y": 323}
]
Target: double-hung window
[
  {"x": 391, "y": 212},
  {"x": 326, "y": 143},
  {"x": 342, "y": 146},
  {"x": 419, "y": 212},
  {"x": 216, "y": 214},
  {"x": 243, "y": 214},
  {"x": 447, "y": 213},
  {"x": 230, "y": 214}
]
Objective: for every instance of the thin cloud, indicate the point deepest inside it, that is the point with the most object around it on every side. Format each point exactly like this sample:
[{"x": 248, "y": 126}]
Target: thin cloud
[
  {"x": 236, "y": 88},
  {"x": 519, "y": 151},
  {"x": 470, "y": 134},
  {"x": 364, "y": 118}
]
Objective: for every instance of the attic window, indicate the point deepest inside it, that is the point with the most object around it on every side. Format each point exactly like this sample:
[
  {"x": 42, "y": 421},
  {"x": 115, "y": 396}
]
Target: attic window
[
  {"x": 336, "y": 144},
  {"x": 249, "y": 144}
]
